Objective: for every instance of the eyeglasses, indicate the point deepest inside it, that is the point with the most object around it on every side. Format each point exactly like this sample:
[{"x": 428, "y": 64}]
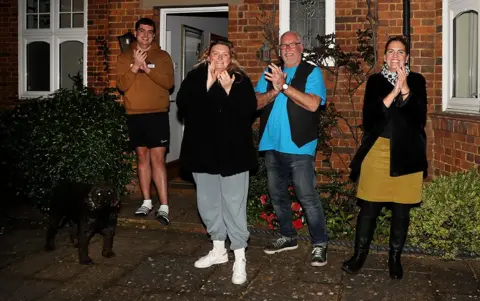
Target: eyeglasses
[
  {"x": 145, "y": 32},
  {"x": 290, "y": 46}
]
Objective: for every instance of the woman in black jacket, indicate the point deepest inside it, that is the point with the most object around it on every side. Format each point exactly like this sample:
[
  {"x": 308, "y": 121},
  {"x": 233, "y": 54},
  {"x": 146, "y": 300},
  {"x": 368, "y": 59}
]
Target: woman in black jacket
[
  {"x": 391, "y": 162},
  {"x": 218, "y": 104}
]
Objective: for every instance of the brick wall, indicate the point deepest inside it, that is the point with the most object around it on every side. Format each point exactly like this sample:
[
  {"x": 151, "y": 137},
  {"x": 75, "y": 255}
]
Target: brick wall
[
  {"x": 457, "y": 142},
  {"x": 109, "y": 19},
  {"x": 8, "y": 52},
  {"x": 451, "y": 138}
]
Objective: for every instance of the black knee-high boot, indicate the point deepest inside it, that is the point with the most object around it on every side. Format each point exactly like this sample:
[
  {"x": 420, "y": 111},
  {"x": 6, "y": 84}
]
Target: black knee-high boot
[
  {"x": 363, "y": 237},
  {"x": 398, "y": 235}
]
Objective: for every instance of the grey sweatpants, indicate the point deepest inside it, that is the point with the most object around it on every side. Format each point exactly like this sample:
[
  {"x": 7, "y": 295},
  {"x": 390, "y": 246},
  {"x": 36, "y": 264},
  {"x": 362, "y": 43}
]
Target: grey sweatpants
[{"x": 222, "y": 203}]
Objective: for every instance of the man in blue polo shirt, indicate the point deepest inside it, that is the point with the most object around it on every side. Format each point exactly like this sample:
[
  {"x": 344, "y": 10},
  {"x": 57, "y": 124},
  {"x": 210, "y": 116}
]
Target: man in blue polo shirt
[{"x": 291, "y": 96}]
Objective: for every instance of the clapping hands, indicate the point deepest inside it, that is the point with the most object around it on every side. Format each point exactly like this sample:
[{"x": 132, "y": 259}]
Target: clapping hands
[
  {"x": 276, "y": 76},
  {"x": 401, "y": 86},
  {"x": 223, "y": 78},
  {"x": 139, "y": 60}
]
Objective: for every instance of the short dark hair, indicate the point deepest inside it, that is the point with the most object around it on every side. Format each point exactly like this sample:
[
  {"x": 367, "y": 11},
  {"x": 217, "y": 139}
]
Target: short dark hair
[
  {"x": 146, "y": 21},
  {"x": 400, "y": 39}
]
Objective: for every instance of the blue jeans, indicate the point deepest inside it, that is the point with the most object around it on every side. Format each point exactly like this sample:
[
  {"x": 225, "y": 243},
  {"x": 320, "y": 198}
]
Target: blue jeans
[{"x": 284, "y": 168}]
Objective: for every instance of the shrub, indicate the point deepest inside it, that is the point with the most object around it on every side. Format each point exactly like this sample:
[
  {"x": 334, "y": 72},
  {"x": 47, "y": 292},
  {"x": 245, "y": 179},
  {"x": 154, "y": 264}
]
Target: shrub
[
  {"x": 73, "y": 135},
  {"x": 448, "y": 220}
]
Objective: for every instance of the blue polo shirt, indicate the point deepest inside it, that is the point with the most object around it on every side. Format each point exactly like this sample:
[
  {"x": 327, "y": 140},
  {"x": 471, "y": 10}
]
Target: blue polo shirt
[{"x": 277, "y": 135}]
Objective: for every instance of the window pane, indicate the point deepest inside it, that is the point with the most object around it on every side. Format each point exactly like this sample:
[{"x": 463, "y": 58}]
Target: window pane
[
  {"x": 44, "y": 21},
  {"x": 32, "y": 6},
  {"x": 78, "y": 5},
  {"x": 38, "y": 66},
  {"x": 71, "y": 63},
  {"x": 44, "y": 6},
  {"x": 466, "y": 55},
  {"x": 65, "y": 5},
  {"x": 32, "y": 21},
  {"x": 65, "y": 20},
  {"x": 77, "y": 20},
  {"x": 307, "y": 17}
]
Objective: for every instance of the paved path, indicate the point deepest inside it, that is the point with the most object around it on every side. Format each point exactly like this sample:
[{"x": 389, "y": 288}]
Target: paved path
[{"x": 158, "y": 265}]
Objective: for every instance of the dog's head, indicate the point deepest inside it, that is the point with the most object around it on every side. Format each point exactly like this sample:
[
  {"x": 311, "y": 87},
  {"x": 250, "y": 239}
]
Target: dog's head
[{"x": 103, "y": 196}]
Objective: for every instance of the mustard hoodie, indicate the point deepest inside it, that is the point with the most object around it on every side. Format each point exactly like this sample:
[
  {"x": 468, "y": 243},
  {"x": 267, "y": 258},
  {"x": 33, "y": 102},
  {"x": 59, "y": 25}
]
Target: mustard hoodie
[{"x": 146, "y": 93}]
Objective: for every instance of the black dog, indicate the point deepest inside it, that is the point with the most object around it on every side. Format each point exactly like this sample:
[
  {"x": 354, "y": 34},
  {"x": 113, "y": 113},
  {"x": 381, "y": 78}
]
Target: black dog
[{"x": 89, "y": 209}]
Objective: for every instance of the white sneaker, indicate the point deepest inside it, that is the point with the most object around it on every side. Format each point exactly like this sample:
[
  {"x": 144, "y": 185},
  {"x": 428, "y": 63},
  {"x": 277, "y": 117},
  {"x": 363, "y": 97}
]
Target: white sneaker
[
  {"x": 213, "y": 257},
  {"x": 239, "y": 271}
]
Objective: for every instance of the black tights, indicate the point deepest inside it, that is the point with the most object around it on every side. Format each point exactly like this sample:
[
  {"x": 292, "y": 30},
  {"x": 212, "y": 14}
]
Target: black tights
[{"x": 373, "y": 209}]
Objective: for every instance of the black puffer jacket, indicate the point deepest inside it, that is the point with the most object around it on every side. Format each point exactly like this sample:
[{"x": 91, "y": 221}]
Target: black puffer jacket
[{"x": 218, "y": 127}]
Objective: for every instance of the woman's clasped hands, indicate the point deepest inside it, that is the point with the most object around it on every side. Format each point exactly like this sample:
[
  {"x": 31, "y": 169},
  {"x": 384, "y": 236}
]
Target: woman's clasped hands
[{"x": 223, "y": 78}]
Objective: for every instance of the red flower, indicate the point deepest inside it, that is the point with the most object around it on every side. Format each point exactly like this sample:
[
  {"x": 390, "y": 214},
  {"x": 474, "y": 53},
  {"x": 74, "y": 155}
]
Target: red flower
[
  {"x": 290, "y": 189},
  {"x": 271, "y": 217},
  {"x": 263, "y": 199},
  {"x": 297, "y": 224},
  {"x": 296, "y": 206},
  {"x": 263, "y": 215}
]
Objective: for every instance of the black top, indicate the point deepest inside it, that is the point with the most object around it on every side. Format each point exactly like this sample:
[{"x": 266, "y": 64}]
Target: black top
[
  {"x": 218, "y": 127},
  {"x": 404, "y": 121}
]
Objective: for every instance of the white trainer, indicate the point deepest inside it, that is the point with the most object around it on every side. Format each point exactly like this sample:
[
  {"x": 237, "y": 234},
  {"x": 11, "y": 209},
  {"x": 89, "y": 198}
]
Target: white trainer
[
  {"x": 239, "y": 275},
  {"x": 213, "y": 257}
]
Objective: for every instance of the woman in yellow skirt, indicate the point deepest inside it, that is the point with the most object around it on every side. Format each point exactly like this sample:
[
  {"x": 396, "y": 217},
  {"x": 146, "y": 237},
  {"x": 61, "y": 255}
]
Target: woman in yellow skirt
[{"x": 391, "y": 162}]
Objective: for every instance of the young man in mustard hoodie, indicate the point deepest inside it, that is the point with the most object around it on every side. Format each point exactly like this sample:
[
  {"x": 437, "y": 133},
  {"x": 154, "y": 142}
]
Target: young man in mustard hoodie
[{"x": 145, "y": 76}]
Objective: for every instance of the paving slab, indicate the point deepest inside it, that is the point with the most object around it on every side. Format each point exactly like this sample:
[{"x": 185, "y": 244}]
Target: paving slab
[
  {"x": 40, "y": 260},
  {"x": 219, "y": 284},
  {"x": 32, "y": 290},
  {"x": 453, "y": 277},
  {"x": 86, "y": 284},
  {"x": 119, "y": 293},
  {"x": 180, "y": 297},
  {"x": 61, "y": 271},
  {"x": 167, "y": 273},
  {"x": 156, "y": 263},
  {"x": 292, "y": 291},
  {"x": 376, "y": 285}
]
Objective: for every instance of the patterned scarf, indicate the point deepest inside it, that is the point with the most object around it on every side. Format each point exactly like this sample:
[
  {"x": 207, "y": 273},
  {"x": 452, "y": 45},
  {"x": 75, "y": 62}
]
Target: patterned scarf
[{"x": 392, "y": 76}]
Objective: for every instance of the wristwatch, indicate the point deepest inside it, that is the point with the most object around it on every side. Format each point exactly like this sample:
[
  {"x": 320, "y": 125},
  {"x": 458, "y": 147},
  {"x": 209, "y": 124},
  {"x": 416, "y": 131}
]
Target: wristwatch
[{"x": 284, "y": 87}]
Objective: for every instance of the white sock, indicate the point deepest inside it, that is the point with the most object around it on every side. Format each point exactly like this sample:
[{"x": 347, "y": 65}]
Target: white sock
[
  {"x": 147, "y": 203},
  {"x": 239, "y": 254},
  {"x": 164, "y": 208},
  {"x": 219, "y": 245}
]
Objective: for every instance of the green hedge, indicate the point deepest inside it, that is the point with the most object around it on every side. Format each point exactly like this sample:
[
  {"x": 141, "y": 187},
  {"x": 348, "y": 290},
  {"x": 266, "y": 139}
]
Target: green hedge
[
  {"x": 449, "y": 218},
  {"x": 75, "y": 135}
]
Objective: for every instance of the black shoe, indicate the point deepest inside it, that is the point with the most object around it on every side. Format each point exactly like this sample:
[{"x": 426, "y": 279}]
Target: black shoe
[
  {"x": 162, "y": 217},
  {"x": 282, "y": 244},
  {"x": 319, "y": 256},
  {"x": 355, "y": 264},
  {"x": 395, "y": 266}
]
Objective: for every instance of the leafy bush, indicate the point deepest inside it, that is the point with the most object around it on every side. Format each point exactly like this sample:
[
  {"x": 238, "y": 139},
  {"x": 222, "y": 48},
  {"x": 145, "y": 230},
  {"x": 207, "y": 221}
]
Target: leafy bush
[
  {"x": 73, "y": 135},
  {"x": 449, "y": 218}
]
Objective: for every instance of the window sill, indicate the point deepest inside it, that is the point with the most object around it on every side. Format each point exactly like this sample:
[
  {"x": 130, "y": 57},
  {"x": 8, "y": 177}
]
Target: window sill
[{"x": 456, "y": 116}]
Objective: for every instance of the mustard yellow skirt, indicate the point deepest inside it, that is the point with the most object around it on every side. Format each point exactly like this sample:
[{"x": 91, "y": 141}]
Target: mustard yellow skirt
[{"x": 375, "y": 183}]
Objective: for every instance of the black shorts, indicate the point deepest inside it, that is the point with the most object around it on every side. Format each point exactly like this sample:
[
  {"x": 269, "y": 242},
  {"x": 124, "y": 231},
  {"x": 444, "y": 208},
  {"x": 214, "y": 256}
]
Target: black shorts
[{"x": 149, "y": 130}]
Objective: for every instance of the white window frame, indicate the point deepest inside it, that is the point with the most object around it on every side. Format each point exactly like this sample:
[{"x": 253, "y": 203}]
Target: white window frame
[
  {"x": 284, "y": 19},
  {"x": 54, "y": 36},
  {"x": 450, "y": 104}
]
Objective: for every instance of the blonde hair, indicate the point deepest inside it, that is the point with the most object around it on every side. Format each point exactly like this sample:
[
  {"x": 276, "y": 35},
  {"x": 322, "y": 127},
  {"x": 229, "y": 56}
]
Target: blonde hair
[{"x": 233, "y": 67}]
